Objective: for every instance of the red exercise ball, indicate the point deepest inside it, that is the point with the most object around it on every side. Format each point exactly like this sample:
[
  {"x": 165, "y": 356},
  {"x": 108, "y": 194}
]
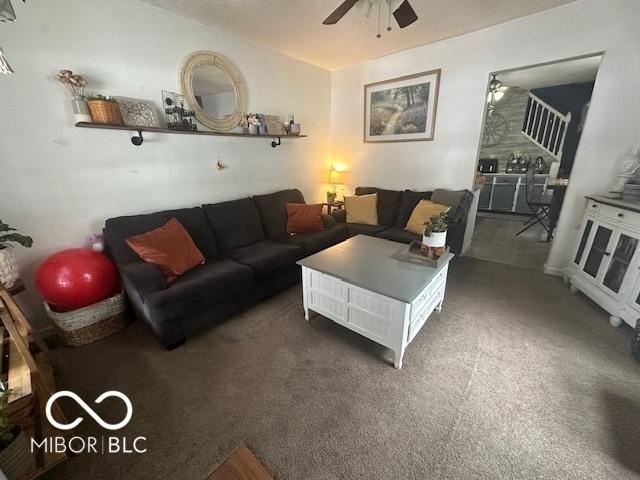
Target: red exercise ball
[{"x": 76, "y": 278}]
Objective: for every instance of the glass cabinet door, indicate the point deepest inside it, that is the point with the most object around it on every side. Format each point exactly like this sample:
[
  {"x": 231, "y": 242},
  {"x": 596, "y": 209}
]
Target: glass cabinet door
[
  {"x": 583, "y": 241},
  {"x": 598, "y": 250},
  {"x": 625, "y": 248}
]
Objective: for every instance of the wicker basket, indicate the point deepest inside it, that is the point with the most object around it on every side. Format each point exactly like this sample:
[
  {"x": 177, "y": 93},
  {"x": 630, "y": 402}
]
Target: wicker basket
[
  {"x": 90, "y": 324},
  {"x": 105, "y": 112}
]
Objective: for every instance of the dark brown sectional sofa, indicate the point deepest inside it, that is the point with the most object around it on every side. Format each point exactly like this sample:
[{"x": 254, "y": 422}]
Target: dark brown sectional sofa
[{"x": 248, "y": 257}]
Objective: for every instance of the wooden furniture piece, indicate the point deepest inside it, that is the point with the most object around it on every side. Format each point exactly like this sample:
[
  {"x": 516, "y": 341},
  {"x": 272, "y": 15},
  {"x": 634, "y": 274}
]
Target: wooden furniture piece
[
  {"x": 358, "y": 285},
  {"x": 333, "y": 206},
  {"x": 506, "y": 192},
  {"x": 241, "y": 465},
  {"x": 605, "y": 264},
  {"x": 137, "y": 140},
  {"x": 29, "y": 379}
]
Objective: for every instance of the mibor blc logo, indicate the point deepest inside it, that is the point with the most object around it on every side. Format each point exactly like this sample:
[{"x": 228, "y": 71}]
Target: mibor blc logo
[{"x": 102, "y": 444}]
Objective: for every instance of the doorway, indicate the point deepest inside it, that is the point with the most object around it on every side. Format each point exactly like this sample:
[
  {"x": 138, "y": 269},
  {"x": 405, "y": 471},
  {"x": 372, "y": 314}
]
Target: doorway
[{"x": 531, "y": 132}]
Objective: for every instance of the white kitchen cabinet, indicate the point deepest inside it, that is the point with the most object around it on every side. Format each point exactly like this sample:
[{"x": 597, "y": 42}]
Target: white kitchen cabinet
[{"x": 606, "y": 261}]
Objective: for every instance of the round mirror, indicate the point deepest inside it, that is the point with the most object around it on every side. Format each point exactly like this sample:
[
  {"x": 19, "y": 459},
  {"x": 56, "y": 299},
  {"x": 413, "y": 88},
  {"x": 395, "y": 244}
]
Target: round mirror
[{"x": 214, "y": 89}]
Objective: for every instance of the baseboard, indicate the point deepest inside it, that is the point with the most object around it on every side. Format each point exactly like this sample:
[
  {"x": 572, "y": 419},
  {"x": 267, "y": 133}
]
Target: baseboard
[{"x": 555, "y": 271}]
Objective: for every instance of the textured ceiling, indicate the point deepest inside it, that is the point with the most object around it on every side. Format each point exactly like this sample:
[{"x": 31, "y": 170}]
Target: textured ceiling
[{"x": 294, "y": 27}]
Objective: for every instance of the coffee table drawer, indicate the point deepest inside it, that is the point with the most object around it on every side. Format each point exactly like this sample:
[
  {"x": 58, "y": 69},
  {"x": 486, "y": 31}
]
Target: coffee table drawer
[
  {"x": 421, "y": 317},
  {"x": 327, "y": 306},
  {"x": 428, "y": 293},
  {"x": 328, "y": 285}
]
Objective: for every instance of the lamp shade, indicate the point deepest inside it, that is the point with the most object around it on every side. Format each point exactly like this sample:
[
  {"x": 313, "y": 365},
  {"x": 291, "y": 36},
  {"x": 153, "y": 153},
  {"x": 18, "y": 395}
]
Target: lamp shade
[{"x": 336, "y": 177}]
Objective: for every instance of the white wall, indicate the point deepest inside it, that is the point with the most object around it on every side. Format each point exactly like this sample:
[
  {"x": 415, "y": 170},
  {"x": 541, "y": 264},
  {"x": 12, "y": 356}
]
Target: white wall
[
  {"x": 59, "y": 183},
  {"x": 584, "y": 27}
]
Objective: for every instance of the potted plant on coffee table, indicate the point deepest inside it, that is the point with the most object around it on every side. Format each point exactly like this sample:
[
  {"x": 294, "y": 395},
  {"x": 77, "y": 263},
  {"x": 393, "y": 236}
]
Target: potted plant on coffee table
[
  {"x": 435, "y": 231},
  {"x": 8, "y": 267},
  {"x": 16, "y": 459}
]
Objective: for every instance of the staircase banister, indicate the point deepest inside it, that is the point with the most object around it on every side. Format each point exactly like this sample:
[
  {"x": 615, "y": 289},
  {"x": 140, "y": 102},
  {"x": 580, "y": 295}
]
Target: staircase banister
[{"x": 566, "y": 118}]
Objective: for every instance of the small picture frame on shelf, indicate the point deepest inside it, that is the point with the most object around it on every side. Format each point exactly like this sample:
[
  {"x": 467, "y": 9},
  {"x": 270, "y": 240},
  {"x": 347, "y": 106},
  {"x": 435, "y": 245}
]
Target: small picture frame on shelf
[
  {"x": 176, "y": 112},
  {"x": 274, "y": 125}
]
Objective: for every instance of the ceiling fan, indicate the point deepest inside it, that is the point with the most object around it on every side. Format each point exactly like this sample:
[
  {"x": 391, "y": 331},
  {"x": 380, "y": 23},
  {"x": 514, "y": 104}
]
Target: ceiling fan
[{"x": 403, "y": 12}]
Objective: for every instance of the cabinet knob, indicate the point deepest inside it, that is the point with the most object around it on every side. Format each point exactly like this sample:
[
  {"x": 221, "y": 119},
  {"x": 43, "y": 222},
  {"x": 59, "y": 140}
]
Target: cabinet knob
[
  {"x": 620, "y": 215},
  {"x": 607, "y": 253},
  {"x": 595, "y": 205}
]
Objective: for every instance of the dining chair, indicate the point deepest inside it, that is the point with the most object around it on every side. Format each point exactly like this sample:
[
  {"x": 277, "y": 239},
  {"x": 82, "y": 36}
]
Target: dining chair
[{"x": 538, "y": 203}]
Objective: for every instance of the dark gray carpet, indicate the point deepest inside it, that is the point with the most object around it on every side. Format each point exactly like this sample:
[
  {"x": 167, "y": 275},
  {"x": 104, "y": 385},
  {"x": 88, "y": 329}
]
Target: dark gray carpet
[{"x": 516, "y": 378}]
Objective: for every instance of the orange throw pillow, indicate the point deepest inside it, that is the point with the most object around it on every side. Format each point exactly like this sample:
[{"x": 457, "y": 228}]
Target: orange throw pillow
[
  {"x": 302, "y": 218},
  {"x": 170, "y": 247}
]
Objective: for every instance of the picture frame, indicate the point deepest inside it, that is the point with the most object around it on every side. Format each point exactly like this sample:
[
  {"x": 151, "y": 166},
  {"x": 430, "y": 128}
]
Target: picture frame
[
  {"x": 402, "y": 109},
  {"x": 274, "y": 125}
]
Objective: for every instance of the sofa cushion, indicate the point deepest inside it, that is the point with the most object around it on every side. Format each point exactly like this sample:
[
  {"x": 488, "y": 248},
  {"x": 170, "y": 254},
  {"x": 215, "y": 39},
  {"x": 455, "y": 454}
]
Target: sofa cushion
[
  {"x": 362, "y": 209},
  {"x": 303, "y": 218},
  {"x": 217, "y": 280},
  {"x": 398, "y": 234},
  {"x": 118, "y": 229},
  {"x": 236, "y": 223},
  {"x": 313, "y": 242},
  {"x": 169, "y": 247},
  {"x": 421, "y": 215},
  {"x": 408, "y": 202},
  {"x": 360, "y": 229},
  {"x": 273, "y": 212},
  {"x": 267, "y": 256},
  {"x": 388, "y": 203}
]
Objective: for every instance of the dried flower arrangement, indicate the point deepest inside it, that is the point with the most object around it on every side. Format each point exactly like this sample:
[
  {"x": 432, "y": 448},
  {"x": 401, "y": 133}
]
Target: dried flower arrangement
[{"x": 74, "y": 83}]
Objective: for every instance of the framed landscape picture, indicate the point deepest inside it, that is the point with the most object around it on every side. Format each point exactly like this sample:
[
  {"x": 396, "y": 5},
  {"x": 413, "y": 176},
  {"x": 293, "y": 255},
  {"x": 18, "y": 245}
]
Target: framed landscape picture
[{"x": 402, "y": 109}]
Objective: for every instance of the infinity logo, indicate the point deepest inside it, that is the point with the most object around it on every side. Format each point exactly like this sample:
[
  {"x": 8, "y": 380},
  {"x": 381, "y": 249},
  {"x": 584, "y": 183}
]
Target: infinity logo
[{"x": 89, "y": 410}]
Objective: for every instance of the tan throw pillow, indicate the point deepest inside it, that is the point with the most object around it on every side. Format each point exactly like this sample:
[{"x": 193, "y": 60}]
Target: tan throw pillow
[
  {"x": 425, "y": 209},
  {"x": 362, "y": 209}
]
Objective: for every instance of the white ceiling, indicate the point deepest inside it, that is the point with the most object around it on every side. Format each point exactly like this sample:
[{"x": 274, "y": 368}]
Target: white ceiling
[
  {"x": 553, "y": 74},
  {"x": 294, "y": 27}
]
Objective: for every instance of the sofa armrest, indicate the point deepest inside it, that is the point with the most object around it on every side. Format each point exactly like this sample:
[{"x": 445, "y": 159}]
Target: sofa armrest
[
  {"x": 143, "y": 277},
  {"x": 340, "y": 215},
  {"x": 328, "y": 221}
]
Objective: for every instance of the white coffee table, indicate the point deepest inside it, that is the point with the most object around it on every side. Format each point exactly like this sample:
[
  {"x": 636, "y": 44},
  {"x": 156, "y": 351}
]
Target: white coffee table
[{"x": 358, "y": 285}]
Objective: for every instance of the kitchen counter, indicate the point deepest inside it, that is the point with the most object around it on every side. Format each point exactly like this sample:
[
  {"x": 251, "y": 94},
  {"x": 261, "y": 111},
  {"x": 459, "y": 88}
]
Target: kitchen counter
[{"x": 515, "y": 174}]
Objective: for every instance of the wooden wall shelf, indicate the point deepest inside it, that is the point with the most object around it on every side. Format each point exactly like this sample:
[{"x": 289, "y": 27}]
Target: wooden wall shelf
[{"x": 138, "y": 139}]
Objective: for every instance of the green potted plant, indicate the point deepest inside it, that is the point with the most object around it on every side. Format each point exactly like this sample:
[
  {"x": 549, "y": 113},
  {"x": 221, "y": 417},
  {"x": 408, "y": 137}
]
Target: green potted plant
[
  {"x": 8, "y": 267},
  {"x": 104, "y": 109},
  {"x": 435, "y": 231},
  {"x": 16, "y": 459},
  {"x": 331, "y": 197}
]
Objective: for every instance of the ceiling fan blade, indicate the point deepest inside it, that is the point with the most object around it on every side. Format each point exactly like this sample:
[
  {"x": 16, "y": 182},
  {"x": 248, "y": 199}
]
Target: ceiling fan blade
[
  {"x": 339, "y": 12},
  {"x": 405, "y": 14}
]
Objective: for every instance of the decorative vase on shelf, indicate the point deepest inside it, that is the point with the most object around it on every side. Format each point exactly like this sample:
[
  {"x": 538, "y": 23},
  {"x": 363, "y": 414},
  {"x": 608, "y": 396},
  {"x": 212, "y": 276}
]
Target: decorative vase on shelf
[
  {"x": 253, "y": 129},
  {"x": 9, "y": 272},
  {"x": 81, "y": 111}
]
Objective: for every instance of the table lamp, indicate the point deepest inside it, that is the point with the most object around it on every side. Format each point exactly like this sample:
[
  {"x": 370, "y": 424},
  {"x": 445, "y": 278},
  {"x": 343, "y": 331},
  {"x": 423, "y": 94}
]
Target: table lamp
[{"x": 336, "y": 177}]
